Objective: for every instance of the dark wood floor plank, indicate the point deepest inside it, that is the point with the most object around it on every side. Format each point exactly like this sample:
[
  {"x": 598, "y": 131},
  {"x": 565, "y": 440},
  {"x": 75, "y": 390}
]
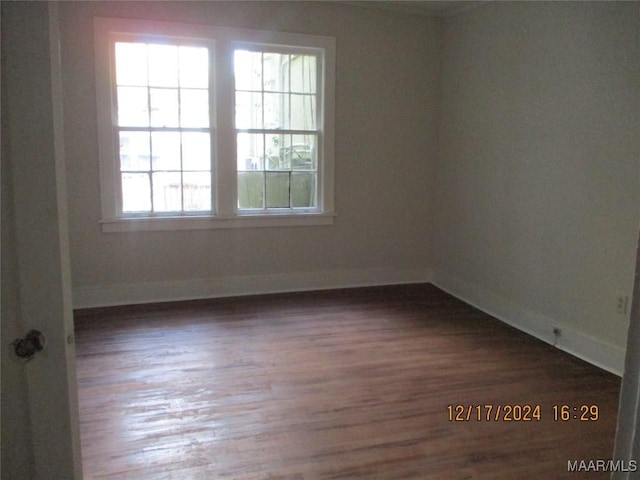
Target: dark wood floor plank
[{"x": 327, "y": 385}]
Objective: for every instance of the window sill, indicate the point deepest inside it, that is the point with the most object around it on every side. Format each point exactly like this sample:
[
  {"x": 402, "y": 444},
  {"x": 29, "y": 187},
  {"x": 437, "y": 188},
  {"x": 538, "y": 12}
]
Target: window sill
[{"x": 154, "y": 224}]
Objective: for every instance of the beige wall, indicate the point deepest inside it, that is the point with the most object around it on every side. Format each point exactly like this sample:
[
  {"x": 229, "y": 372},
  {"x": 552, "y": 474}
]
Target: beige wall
[
  {"x": 538, "y": 180},
  {"x": 387, "y": 70}
]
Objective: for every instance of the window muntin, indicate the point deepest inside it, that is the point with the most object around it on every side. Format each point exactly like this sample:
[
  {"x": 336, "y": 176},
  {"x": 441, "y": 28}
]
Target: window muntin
[{"x": 156, "y": 171}]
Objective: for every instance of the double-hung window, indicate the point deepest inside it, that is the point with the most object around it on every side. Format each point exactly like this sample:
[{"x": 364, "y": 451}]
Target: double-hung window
[{"x": 203, "y": 127}]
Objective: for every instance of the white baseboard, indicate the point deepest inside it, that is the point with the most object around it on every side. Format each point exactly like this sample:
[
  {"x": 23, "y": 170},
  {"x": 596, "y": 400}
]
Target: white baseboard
[
  {"x": 203, "y": 288},
  {"x": 606, "y": 356},
  {"x": 586, "y": 347}
]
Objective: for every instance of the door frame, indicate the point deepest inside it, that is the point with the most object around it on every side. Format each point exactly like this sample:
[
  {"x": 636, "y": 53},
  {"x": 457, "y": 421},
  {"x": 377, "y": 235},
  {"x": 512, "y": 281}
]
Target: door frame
[{"x": 627, "y": 441}]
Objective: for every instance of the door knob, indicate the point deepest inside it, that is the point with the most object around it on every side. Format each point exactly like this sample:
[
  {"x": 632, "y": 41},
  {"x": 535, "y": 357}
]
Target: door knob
[{"x": 34, "y": 341}]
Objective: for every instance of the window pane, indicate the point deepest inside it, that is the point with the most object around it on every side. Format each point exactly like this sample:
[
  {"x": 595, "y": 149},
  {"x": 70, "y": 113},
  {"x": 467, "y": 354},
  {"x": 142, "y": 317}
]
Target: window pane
[
  {"x": 303, "y": 112},
  {"x": 163, "y": 65},
  {"x": 276, "y": 74},
  {"x": 196, "y": 191},
  {"x": 194, "y": 67},
  {"x": 278, "y": 190},
  {"x": 136, "y": 192},
  {"x": 196, "y": 151},
  {"x": 250, "y": 149},
  {"x": 133, "y": 107},
  {"x": 304, "y": 152},
  {"x": 194, "y": 108},
  {"x": 131, "y": 64},
  {"x": 135, "y": 151},
  {"x": 165, "y": 149},
  {"x": 250, "y": 190},
  {"x": 277, "y": 146},
  {"x": 164, "y": 107},
  {"x": 276, "y": 110},
  {"x": 303, "y": 189},
  {"x": 248, "y": 110},
  {"x": 303, "y": 73},
  {"x": 248, "y": 70},
  {"x": 167, "y": 192}
]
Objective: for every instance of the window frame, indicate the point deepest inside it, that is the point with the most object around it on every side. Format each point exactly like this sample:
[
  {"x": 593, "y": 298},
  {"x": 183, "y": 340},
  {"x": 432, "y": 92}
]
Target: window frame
[{"x": 222, "y": 42}]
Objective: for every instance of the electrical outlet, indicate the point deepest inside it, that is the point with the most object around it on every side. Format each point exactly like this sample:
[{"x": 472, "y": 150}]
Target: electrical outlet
[{"x": 622, "y": 305}]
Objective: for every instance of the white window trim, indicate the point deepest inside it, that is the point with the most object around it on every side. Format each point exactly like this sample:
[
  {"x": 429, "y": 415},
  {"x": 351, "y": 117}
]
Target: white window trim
[{"x": 224, "y": 208}]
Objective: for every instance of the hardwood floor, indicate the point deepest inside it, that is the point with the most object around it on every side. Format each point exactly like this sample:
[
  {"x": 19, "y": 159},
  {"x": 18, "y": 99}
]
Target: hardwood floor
[{"x": 329, "y": 385}]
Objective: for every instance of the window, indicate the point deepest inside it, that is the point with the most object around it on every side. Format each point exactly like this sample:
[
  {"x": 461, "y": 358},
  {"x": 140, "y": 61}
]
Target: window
[
  {"x": 203, "y": 127},
  {"x": 276, "y": 129},
  {"x": 162, "y": 101}
]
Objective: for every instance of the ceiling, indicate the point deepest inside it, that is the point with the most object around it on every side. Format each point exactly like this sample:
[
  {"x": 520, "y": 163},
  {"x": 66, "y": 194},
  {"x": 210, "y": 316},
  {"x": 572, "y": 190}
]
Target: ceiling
[{"x": 438, "y": 8}]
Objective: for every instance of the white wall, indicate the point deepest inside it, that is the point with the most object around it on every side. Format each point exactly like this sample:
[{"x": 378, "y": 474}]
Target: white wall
[
  {"x": 387, "y": 70},
  {"x": 538, "y": 186}
]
